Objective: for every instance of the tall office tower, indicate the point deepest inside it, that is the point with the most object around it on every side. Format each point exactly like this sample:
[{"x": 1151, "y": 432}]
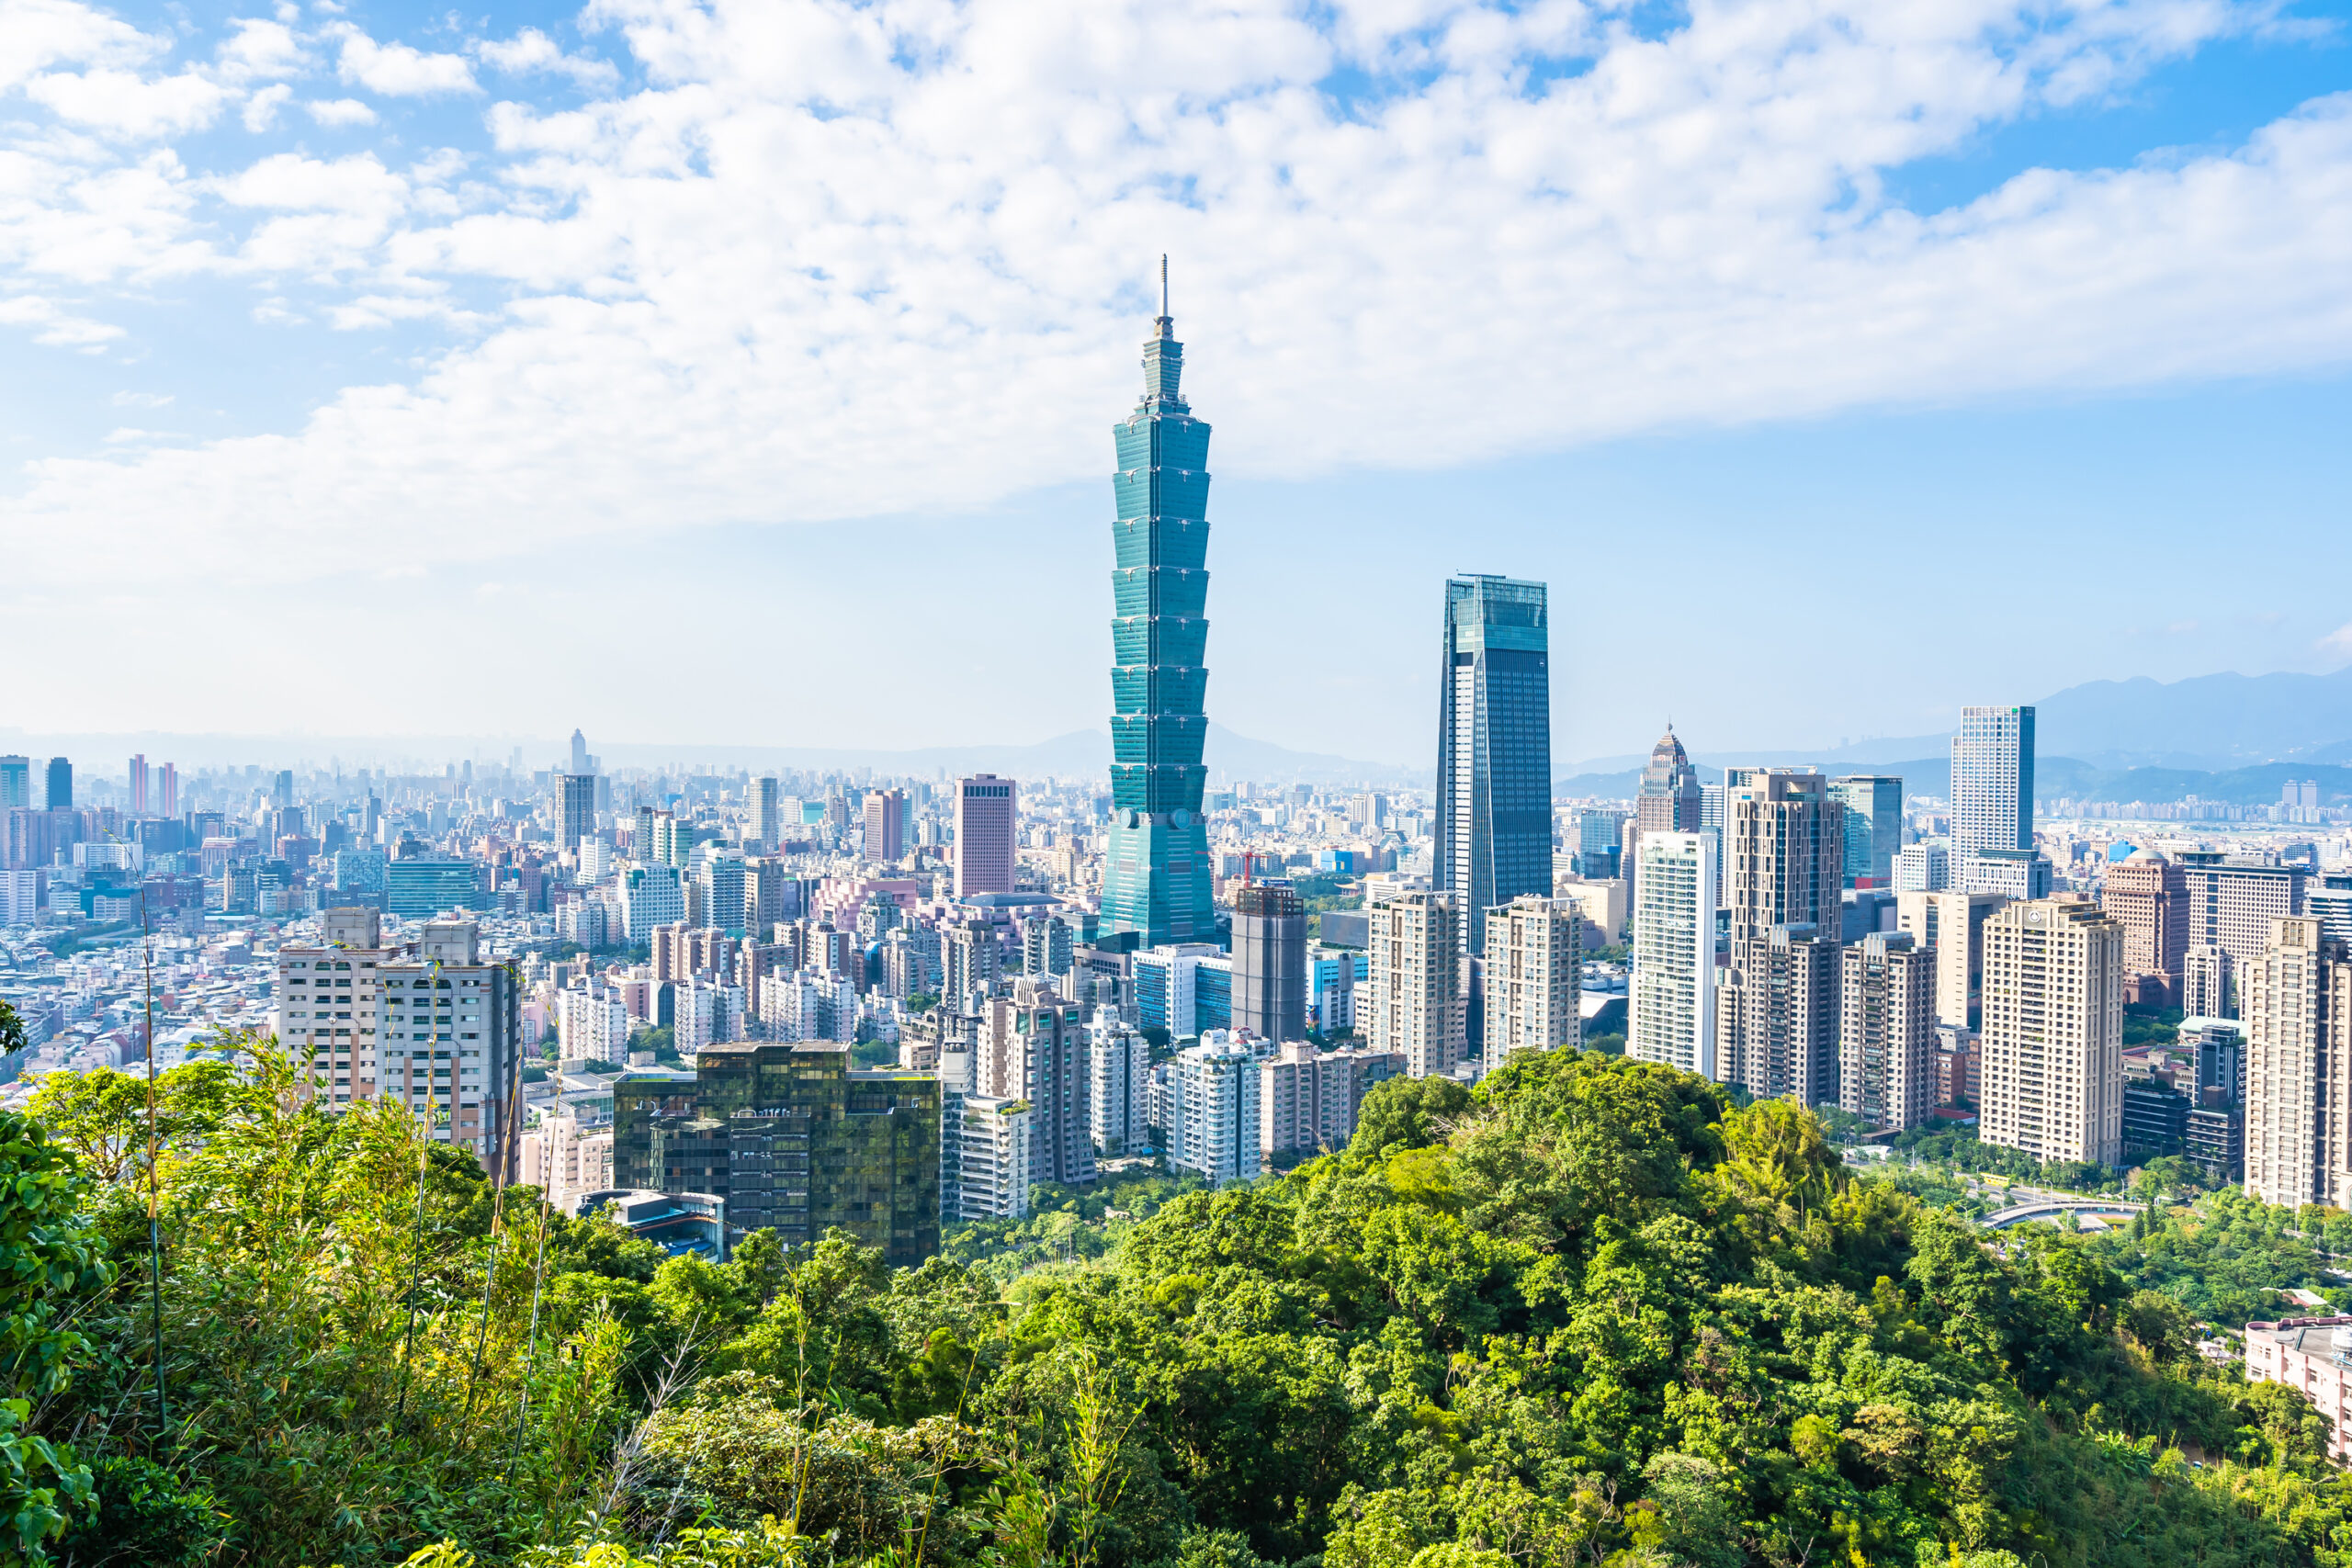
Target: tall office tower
[
  {"x": 886, "y": 825},
  {"x": 1534, "y": 975},
  {"x": 970, "y": 961},
  {"x": 60, "y": 785},
  {"x": 1784, "y": 848},
  {"x": 1156, "y": 869},
  {"x": 575, "y": 810},
  {"x": 1118, "y": 1069},
  {"x": 1874, "y": 805},
  {"x": 1992, "y": 790},
  {"x": 170, "y": 797},
  {"x": 2330, "y": 904},
  {"x": 795, "y": 1139},
  {"x": 2208, "y": 981},
  {"x": 1950, "y": 926},
  {"x": 767, "y": 807},
  {"x": 139, "y": 783},
  {"x": 1671, "y": 1005},
  {"x": 1213, "y": 1121},
  {"x": 2298, "y": 1021},
  {"x": 2234, "y": 900},
  {"x": 579, "y": 759},
  {"x": 987, "y": 809},
  {"x": 1596, "y": 833},
  {"x": 1415, "y": 1003},
  {"x": 1270, "y": 962},
  {"x": 1032, "y": 1046},
  {"x": 2148, "y": 896},
  {"x": 1494, "y": 749},
  {"x": 1886, "y": 1031},
  {"x": 2052, "y": 1079},
  {"x": 16, "y": 783},
  {"x": 1922, "y": 868},
  {"x": 1671, "y": 801},
  {"x": 282, "y": 791}
]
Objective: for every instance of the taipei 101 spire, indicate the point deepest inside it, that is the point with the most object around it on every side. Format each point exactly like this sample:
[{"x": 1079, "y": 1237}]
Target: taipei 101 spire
[{"x": 1156, "y": 877}]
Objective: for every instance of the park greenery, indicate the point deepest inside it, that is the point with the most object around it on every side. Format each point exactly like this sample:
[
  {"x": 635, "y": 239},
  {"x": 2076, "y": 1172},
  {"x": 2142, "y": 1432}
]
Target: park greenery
[{"x": 1589, "y": 1311}]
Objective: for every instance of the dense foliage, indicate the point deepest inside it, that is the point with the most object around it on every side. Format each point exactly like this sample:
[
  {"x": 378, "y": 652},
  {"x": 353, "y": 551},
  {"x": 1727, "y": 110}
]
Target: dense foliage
[{"x": 1589, "y": 1311}]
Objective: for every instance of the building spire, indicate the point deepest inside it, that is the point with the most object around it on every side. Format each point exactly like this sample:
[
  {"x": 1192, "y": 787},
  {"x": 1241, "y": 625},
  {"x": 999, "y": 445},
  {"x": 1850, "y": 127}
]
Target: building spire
[{"x": 1166, "y": 323}]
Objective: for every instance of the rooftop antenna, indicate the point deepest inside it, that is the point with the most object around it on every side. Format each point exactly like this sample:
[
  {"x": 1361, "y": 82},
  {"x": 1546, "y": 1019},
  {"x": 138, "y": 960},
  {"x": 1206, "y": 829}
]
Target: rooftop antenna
[{"x": 1163, "y": 283}]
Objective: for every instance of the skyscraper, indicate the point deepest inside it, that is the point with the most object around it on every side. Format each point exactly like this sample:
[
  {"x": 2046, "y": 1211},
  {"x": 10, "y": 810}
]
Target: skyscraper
[
  {"x": 60, "y": 785},
  {"x": 1785, "y": 851},
  {"x": 1671, "y": 1004},
  {"x": 2053, "y": 1032},
  {"x": 2298, "y": 1083},
  {"x": 580, "y": 762},
  {"x": 170, "y": 806},
  {"x": 1887, "y": 1036},
  {"x": 768, "y": 825},
  {"x": 139, "y": 783},
  {"x": 1416, "y": 1005},
  {"x": 1270, "y": 962},
  {"x": 2149, "y": 895},
  {"x": 1534, "y": 971},
  {"x": 1992, "y": 790},
  {"x": 16, "y": 783},
  {"x": 987, "y": 808},
  {"x": 886, "y": 824},
  {"x": 1873, "y": 804},
  {"x": 1494, "y": 749},
  {"x": 1156, "y": 875},
  {"x": 1670, "y": 801},
  {"x": 575, "y": 808}
]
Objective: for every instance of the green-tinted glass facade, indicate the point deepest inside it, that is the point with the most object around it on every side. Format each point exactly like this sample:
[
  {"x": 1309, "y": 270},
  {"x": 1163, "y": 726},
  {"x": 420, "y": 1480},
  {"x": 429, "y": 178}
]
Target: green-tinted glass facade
[
  {"x": 796, "y": 1141},
  {"x": 1156, "y": 880}
]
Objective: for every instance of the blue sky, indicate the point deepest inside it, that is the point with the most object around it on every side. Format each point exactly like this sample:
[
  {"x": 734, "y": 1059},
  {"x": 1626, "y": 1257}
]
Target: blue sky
[{"x": 745, "y": 372}]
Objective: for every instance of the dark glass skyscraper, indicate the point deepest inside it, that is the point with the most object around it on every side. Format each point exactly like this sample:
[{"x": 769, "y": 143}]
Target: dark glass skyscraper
[
  {"x": 1156, "y": 881},
  {"x": 1494, "y": 748}
]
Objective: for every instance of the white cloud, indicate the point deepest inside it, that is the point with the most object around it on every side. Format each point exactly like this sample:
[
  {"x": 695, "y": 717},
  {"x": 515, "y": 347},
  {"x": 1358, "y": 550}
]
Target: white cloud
[
  {"x": 128, "y": 103},
  {"x": 733, "y": 294},
  {"x": 143, "y": 400},
  {"x": 340, "y": 112},
  {"x": 55, "y": 327},
  {"x": 38, "y": 34},
  {"x": 261, "y": 51},
  {"x": 532, "y": 51},
  {"x": 261, "y": 109},
  {"x": 2337, "y": 643},
  {"x": 398, "y": 71}
]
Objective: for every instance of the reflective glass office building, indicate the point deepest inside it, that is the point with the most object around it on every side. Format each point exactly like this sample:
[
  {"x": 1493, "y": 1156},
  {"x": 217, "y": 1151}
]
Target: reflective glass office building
[
  {"x": 1494, "y": 748},
  {"x": 1155, "y": 877}
]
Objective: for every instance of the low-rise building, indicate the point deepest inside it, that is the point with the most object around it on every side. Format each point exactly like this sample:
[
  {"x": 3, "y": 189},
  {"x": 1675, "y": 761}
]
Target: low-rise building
[{"x": 2314, "y": 1357}]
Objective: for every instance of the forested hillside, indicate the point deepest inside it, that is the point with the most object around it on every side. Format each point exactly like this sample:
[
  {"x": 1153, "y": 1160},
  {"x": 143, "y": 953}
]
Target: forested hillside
[{"x": 1586, "y": 1313}]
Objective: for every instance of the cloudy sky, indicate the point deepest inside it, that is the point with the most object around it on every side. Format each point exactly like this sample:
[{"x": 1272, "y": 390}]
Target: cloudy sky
[{"x": 744, "y": 371}]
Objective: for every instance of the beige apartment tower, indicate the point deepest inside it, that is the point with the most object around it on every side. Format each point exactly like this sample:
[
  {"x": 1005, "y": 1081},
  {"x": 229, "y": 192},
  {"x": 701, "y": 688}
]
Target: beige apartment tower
[
  {"x": 1417, "y": 1004},
  {"x": 2052, "y": 1035},
  {"x": 1534, "y": 975},
  {"x": 1952, "y": 926},
  {"x": 1886, "y": 1031},
  {"x": 2297, "y": 1018},
  {"x": 1784, "y": 872}
]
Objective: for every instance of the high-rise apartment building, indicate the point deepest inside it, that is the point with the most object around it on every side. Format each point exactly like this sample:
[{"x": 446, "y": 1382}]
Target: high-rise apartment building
[
  {"x": 984, "y": 1157},
  {"x": 725, "y": 905},
  {"x": 138, "y": 779},
  {"x": 1309, "y": 1099},
  {"x": 1415, "y": 1006},
  {"x": 427, "y": 1023},
  {"x": 1032, "y": 1046},
  {"x": 971, "y": 963},
  {"x": 1213, "y": 1118},
  {"x": 1874, "y": 805},
  {"x": 16, "y": 783},
  {"x": 987, "y": 812},
  {"x": 886, "y": 825},
  {"x": 650, "y": 894},
  {"x": 1950, "y": 926},
  {"x": 2208, "y": 981},
  {"x": 575, "y": 810},
  {"x": 1118, "y": 1071},
  {"x": 169, "y": 804},
  {"x": 795, "y": 1140},
  {"x": 1270, "y": 962},
  {"x": 2297, "y": 1018},
  {"x": 1534, "y": 975},
  {"x": 1992, "y": 788},
  {"x": 1048, "y": 946},
  {"x": 1886, "y": 1033},
  {"x": 60, "y": 785},
  {"x": 2148, "y": 896},
  {"x": 767, "y": 814},
  {"x": 1776, "y": 1008},
  {"x": 1670, "y": 1002},
  {"x": 1156, "y": 866},
  {"x": 2053, "y": 1037},
  {"x": 1494, "y": 749}
]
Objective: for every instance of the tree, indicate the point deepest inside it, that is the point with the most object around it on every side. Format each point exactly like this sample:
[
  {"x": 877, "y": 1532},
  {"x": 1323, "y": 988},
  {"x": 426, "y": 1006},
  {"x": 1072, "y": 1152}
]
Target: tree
[{"x": 49, "y": 1261}]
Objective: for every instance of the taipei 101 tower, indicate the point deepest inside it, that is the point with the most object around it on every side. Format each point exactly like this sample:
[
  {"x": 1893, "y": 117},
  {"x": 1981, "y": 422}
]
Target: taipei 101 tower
[{"x": 1155, "y": 877}]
